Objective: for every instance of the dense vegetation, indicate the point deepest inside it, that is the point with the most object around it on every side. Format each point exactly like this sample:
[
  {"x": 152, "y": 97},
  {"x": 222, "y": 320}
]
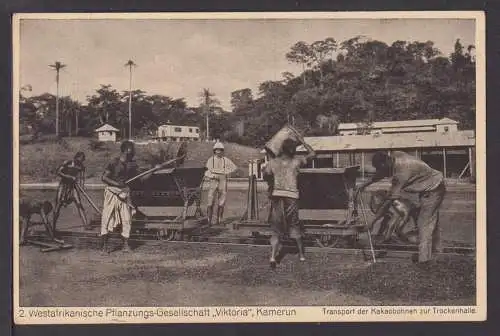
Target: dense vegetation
[
  {"x": 38, "y": 161},
  {"x": 358, "y": 80}
]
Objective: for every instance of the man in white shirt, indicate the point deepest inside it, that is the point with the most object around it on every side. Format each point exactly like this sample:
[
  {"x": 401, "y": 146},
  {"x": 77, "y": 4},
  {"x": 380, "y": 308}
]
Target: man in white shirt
[{"x": 218, "y": 169}]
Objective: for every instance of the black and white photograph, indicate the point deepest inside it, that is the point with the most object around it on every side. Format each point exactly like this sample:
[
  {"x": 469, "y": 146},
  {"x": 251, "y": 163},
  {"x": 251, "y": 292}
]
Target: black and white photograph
[{"x": 249, "y": 167}]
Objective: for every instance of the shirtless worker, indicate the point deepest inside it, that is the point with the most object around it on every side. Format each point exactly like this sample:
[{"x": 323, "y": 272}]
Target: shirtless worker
[
  {"x": 282, "y": 172},
  {"x": 414, "y": 176},
  {"x": 118, "y": 208},
  {"x": 218, "y": 169},
  {"x": 71, "y": 172}
]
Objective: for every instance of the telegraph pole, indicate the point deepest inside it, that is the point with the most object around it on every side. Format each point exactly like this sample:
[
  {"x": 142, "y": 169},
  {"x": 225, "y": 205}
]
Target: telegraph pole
[
  {"x": 130, "y": 64},
  {"x": 57, "y": 66}
]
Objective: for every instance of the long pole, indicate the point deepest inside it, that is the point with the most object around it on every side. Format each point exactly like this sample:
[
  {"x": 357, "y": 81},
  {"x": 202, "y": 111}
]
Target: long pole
[
  {"x": 208, "y": 137},
  {"x": 207, "y": 109},
  {"x": 444, "y": 162},
  {"x": 76, "y": 122},
  {"x": 471, "y": 169},
  {"x": 363, "y": 165},
  {"x": 57, "y": 102},
  {"x": 130, "y": 104}
]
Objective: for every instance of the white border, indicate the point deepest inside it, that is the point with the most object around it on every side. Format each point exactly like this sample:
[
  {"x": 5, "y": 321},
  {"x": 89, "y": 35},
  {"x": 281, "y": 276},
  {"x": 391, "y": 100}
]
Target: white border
[{"x": 304, "y": 314}]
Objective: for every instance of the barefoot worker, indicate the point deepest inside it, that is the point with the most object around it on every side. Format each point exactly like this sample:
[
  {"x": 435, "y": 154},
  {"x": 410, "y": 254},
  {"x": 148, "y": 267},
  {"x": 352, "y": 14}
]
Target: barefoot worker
[
  {"x": 71, "y": 172},
  {"x": 118, "y": 208},
  {"x": 218, "y": 169},
  {"x": 282, "y": 171},
  {"x": 414, "y": 176}
]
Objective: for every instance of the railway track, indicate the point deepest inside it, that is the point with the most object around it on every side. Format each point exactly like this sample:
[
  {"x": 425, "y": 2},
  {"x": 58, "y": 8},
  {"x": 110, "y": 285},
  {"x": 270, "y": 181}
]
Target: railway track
[{"x": 382, "y": 251}]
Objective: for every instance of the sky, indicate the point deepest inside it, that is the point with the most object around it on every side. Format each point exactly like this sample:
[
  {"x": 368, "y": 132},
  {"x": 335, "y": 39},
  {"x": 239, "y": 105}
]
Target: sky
[{"x": 178, "y": 58}]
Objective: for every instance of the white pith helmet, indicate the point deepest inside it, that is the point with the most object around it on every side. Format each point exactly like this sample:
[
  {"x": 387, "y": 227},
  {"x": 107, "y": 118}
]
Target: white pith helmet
[{"x": 218, "y": 145}]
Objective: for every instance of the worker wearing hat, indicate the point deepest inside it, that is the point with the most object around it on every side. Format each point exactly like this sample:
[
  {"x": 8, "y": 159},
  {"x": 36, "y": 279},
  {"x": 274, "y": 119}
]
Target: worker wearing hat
[{"x": 218, "y": 169}]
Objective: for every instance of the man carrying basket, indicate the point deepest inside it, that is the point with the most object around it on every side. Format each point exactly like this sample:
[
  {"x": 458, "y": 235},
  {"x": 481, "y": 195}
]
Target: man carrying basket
[{"x": 281, "y": 173}]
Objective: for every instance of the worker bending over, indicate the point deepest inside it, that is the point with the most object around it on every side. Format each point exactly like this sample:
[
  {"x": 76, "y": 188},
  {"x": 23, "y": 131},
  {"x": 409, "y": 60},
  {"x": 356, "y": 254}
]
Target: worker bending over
[
  {"x": 414, "y": 176},
  {"x": 218, "y": 169}
]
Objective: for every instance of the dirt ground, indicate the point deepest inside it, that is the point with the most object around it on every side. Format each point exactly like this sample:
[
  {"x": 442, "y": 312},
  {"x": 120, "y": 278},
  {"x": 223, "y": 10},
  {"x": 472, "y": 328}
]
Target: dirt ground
[{"x": 176, "y": 274}]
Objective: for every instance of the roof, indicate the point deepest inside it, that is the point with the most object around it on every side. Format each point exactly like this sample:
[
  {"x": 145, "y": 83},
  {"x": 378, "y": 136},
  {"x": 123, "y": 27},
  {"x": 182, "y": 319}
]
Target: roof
[
  {"x": 106, "y": 128},
  {"x": 401, "y": 123},
  {"x": 391, "y": 141},
  {"x": 172, "y": 125}
]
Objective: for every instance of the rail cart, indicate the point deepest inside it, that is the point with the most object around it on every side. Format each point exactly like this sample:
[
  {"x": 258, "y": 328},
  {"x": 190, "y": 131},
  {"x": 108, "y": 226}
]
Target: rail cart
[
  {"x": 328, "y": 210},
  {"x": 168, "y": 203}
]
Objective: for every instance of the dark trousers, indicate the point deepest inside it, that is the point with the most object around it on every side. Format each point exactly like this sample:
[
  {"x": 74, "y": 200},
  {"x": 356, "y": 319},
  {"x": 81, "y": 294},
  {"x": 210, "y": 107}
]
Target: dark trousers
[{"x": 428, "y": 222}]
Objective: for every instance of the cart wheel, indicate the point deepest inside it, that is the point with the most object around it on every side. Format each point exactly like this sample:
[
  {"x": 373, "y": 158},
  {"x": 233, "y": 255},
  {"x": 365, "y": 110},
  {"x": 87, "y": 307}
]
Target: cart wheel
[
  {"x": 352, "y": 241},
  {"x": 328, "y": 240},
  {"x": 169, "y": 235},
  {"x": 178, "y": 235}
]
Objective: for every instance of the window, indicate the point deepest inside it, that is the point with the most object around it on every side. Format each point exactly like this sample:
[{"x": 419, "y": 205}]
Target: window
[
  {"x": 446, "y": 128},
  {"x": 178, "y": 129},
  {"x": 197, "y": 130},
  {"x": 190, "y": 130}
]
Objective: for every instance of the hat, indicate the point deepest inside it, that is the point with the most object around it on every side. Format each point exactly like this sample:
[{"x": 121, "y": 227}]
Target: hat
[{"x": 218, "y": 145}]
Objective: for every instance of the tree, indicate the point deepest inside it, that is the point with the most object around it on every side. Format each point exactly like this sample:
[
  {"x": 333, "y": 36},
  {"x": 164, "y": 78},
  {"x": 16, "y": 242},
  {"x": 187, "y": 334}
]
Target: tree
[
  {"x": 241, "y": 99},
  {"x": 105, "y": 104},
  {"x": 209, "y": 102},
  {"x": 319, "y": 50},
  {"x": 57, "y": 66},
  {"x": 300, "y": 53}
]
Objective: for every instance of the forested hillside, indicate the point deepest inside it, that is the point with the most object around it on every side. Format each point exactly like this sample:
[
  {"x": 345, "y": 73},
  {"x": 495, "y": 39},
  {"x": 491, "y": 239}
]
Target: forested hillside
[{"x": 357, "y": 80}]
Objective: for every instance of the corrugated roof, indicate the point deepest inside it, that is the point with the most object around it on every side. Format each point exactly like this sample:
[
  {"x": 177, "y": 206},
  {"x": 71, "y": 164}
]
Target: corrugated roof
[
  {"x": 401, "y": 123},
  {"x": 390, "y": 141},
  {"x": 106, "y": 128}
]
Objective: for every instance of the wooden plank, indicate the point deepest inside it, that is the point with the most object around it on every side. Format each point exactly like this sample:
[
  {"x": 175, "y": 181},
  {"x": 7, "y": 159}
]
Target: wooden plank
[
  {"x": 49, "y": 247},
  {"x": 40, "y": 243},
  {"x": 57, "y": 248}
]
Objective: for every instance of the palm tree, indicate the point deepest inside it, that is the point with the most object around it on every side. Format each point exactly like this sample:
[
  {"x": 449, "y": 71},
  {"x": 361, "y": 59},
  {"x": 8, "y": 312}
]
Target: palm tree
[
  {"x": 130, "y": 64},
  {"x": 208, "y": 101},
  {"x": 57, "y": 66}
]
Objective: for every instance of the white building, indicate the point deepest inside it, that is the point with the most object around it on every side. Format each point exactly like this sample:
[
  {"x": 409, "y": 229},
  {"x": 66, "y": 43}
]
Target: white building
[
  {"x": 106, "y": 133},
  {"x": 405, "y": 126},
  {"x": 171, "y": 132}
]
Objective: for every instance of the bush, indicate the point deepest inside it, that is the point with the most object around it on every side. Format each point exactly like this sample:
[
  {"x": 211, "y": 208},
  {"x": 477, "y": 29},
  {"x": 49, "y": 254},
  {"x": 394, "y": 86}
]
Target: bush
[
  {"x": 156, "y": 154},
  {"x": 96, "y": 145},
  {"x": 40, "y": 160}
]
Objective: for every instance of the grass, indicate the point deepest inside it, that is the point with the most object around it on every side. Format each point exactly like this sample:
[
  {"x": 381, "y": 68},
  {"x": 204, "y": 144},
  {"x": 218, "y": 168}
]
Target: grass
[{"x": 39, "y": 161}]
